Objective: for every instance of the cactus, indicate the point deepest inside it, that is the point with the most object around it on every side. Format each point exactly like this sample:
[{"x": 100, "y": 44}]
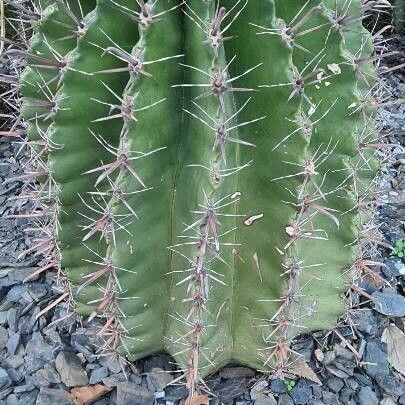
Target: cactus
[
  {"x": 209, "y": 170},
  {"x": 399, "y": 16}
]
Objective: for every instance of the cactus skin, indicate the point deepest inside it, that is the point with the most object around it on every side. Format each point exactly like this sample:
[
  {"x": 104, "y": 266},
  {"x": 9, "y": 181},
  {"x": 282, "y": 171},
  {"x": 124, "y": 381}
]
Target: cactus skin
[
  {"x": 53, "y": 39},
  {"x": 216, "y": 243},
  {"x": 399, "y": 16}
]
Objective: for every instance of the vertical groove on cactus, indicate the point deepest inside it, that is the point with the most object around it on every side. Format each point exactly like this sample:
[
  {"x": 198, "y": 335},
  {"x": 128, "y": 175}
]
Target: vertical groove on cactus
[
  {"x": 199, "y": 330},
  {"x": 209, "y": 204}
]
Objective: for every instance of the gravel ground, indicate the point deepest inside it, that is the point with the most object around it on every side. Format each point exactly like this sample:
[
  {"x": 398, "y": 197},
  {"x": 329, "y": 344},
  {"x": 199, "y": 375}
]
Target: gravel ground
[{"x": 46, "y": 363}]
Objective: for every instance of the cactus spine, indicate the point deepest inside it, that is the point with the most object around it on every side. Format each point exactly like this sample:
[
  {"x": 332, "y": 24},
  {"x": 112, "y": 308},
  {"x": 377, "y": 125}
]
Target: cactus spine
[{"x": 211, "y": 170}]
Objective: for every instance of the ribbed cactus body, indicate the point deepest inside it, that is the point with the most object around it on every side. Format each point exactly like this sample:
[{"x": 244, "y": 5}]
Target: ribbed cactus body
[{"x": 210, "y": 173}]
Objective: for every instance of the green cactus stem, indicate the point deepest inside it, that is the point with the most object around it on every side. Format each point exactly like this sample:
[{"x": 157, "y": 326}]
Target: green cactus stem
[
  {"x": 399, "y": 16},
  {"x": 213, "y": 171}
]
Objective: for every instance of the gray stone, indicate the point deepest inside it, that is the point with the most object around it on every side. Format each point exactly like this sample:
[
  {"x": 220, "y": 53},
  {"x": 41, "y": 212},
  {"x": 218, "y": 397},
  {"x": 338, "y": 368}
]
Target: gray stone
[
  {"x": 5, "y": 380},
  {"x": 316, "y": 391},
  {"x": 329, "y": 398},
  {"x": 14, "y": 361},
  {"x": 236, "y": 372},
  {"x": 305, "y": 347},
  {"x": 85, "y": 352},
  {"x": 104, "y": 401},
  {"x": 98, "y": 374},
  {"x": 16, "y": 375},
  {"x": 278, "y": 386},
  {"x": 229, "y": 390},
  {"x": 47, "y": 376},
  {"x": 393, "y": 267},
  {"x": 13, "y": 315},
  {"x": 345, "y": 395},
  {"x": 3, "y": 337},
  {"x": 366, "y": 396},
  {"x": 135, "y": 378},
  {"x": 15, "y": 275},
  {"x": 345, "y": 365},
  {"x": 131, "y": 394},
  {"x": 352, "y": 383},
  {"x": 258, "y": 389},
  {"x": 362, "y": 379},
  {"x": 335, "y": 384},
  {"x": 365, "y": 321},
  {"x": 266, "y": 400},
  {"x": 389, "y": 304},
  {"x": 29, "y": 398},
  {"x": 23, "y": 388},
  {"x": 37, "y": 291},
  {"x": 4, "y": 393},
  {"x": 387, "y": 401},
  {"x": 336, "y": 371},
  {"x": 15, "y": 293},
  {"x": 390, "y": 385},
  {"x": 12, "y": 400},
  {"x": 376, "y": 355},
  {"x": 70, "y": 369},
  {"x": 114, "y": 379},
  {"x": 112, "y": 363},
  {"x": 25, "y": 325},
  {"x": 158, "y": 379},
  {"x": 50, "y": 396},
  {"x": 25, "y": 294},
  {"x": 157, "y": 361},
  {"x": 301, "y": 393},
  {"x": 175, "y": 393},
  {"x": 12, "y": 343},
  {"x": 3, "y": 317},
  {"x": 343, "y": 353},
  {"x": 38, "y": 352},
  {"x": 285, "y": 399}
]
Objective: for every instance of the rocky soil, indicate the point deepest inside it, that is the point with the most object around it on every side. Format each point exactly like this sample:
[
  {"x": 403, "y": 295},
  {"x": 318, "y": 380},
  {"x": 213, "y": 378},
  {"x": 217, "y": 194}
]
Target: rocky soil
[{"x": 46, "y": 362}]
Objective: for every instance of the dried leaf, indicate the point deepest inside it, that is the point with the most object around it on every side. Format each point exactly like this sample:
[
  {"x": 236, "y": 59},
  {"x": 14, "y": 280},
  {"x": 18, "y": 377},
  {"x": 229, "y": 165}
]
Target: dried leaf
[
  {"x": 88, "y": 395},
  {"x": 301, "y": 369},
  {"x": 395, "y": 340},
  {"x": 198, "y": 399}
]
